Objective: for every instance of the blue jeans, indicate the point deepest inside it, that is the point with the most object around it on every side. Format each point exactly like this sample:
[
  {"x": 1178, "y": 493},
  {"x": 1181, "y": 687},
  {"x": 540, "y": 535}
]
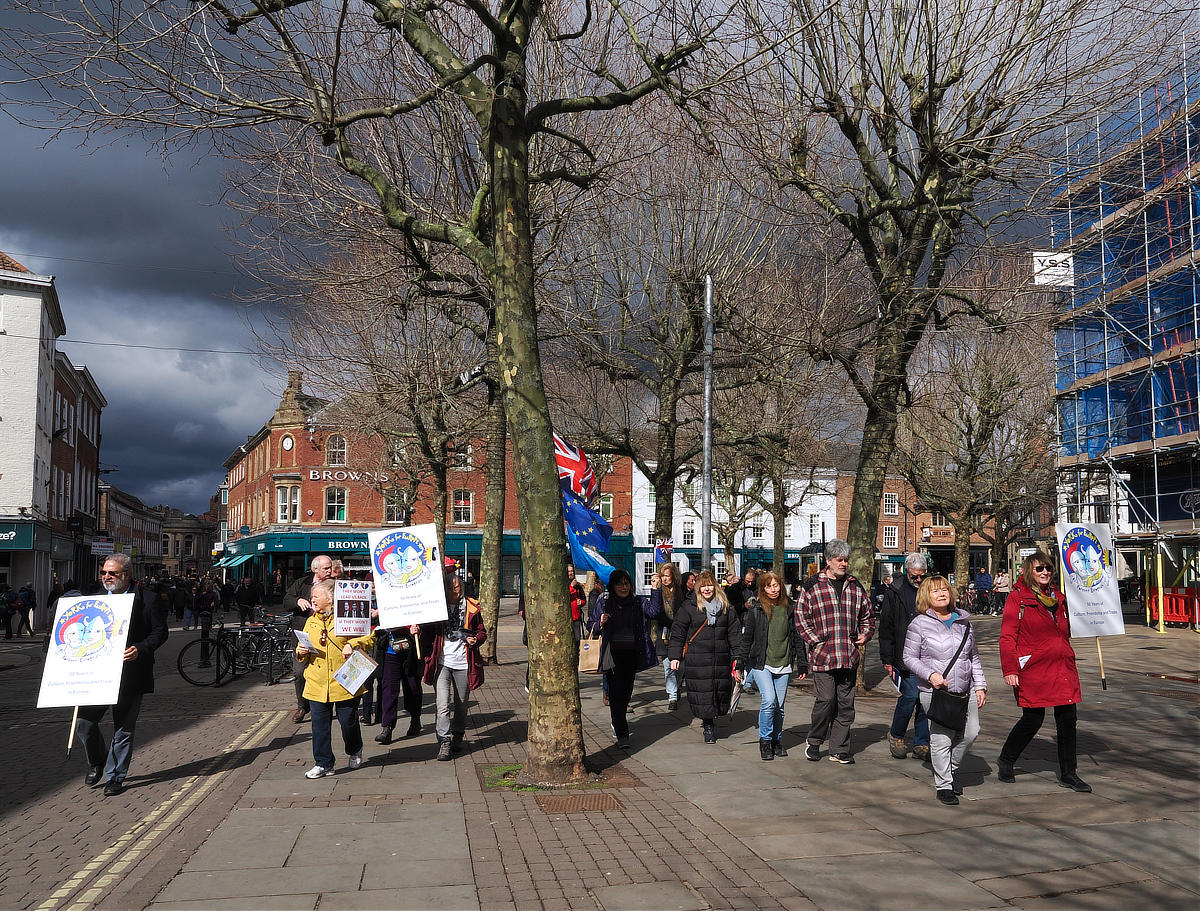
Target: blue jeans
[
  {"x": 672, "y": 678},
  {"x": 908, "y": 701},
  {"x": 322, "y": 729},
  {"x": 87, "y": 729},
  {"x": 773, "y": 688}
]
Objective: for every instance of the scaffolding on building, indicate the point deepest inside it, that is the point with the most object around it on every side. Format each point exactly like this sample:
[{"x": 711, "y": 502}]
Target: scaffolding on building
[{"x": 1127, "y": 211}]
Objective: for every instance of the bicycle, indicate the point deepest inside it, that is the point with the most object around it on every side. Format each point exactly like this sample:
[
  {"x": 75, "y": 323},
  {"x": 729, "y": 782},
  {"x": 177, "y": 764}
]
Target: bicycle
[{"x": 211, "y": 659}]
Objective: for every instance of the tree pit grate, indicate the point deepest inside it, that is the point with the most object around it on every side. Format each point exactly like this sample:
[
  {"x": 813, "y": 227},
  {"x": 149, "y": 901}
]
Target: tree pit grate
[{"x": 575, "y": 803}]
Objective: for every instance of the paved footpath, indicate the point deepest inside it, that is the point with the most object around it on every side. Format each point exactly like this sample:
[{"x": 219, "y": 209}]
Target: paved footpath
[{"x": 684, "y": 825}]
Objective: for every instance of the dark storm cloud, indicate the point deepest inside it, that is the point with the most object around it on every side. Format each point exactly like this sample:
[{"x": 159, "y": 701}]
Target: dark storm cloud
[{"x": 140, "y": 256}]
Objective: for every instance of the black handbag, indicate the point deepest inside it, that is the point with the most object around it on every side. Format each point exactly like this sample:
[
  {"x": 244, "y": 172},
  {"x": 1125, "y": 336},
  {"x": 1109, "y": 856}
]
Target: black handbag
[{"x": 947, "y": 708}]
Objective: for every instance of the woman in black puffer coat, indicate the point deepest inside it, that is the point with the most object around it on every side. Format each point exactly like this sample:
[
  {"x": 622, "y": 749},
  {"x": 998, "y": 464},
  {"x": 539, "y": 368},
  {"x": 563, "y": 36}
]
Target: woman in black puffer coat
[{"x": 711, "y": 633}]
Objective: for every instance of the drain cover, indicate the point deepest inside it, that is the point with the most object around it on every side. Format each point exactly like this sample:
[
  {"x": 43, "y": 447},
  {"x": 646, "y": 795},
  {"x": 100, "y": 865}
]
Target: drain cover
[{"x": 571, "y": 803}]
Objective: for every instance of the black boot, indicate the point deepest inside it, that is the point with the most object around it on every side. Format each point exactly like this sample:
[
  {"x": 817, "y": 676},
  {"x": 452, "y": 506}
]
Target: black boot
[
  {"x": 766, "y": 749},
  {"x": 710, "y": 735},
  {"x": 778, "y": 747},
  {"x": 414, "y": 727},
  {"x": 1004, "y": 770},
  {"x": 384, "y": 736}
]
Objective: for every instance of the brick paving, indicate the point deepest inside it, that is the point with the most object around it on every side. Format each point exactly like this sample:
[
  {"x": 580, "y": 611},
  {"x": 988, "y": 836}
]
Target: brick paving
[{"x": 689, "y": 827}]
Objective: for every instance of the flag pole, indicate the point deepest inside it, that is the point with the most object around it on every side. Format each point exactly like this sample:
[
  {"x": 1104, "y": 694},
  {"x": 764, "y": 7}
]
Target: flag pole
[{"x": 706, "y": 496}]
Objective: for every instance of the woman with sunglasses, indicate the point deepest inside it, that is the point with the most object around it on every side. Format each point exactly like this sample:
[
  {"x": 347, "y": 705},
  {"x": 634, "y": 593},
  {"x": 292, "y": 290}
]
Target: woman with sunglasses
[
  {"x": 326, "y": 697},
  {"x": 1038, "y": 662}
]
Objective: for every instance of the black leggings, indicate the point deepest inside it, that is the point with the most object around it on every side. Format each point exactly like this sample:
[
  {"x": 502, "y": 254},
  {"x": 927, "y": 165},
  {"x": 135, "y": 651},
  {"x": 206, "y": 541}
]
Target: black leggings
[
  {"x": 620, "y": 688},
  {"x": 1065, "y": 717}
]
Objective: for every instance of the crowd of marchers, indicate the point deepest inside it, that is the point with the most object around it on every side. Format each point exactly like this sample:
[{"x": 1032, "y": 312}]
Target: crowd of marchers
[
  {"x": 713, "y": 642},
  {"x": 753, "y": 635}
]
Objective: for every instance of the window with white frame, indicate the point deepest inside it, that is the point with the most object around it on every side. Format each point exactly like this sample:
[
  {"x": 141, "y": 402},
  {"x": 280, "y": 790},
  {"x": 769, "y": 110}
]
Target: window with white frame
[
  {"x": 814, "y": 527},
  {"x": 335, "y": 450},
  {"x": 891, "y": 536},
  {"x": 287, "y": 505},
  {"x": 787, "y": 527},
  {"x": 189, "y": 546},
  {"x": 756, "y": 530},
  {"x": 891, "y": 504},
  {"x": 463, "y": 511},
  {"x": 606, "y": 506},
  {"x": 651, "y": 495},
  {"x": 650, "y": 531},
  {"x": 938, "y": 519},
  {"x": 394, "y": 512},
  {"x": 335, "y": 504},
  {"x": 689, "y": 533},
  {"x": 463, "y": 458},
  {"x": 396, "y": 454},
  {"x": 648, "y": 569},
  {"x": 719, "y": 565}
]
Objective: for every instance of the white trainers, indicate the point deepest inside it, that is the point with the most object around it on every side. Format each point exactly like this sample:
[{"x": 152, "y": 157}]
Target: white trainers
[
  {"x": 355, "y": 760},
  {"x": 318, "y": 771}
]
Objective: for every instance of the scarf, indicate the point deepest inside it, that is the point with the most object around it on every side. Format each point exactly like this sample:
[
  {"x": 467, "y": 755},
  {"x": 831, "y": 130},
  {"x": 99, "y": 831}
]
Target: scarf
[
  {"x": 1047, "y": 601},
  {"x": 711, "y": 608}
]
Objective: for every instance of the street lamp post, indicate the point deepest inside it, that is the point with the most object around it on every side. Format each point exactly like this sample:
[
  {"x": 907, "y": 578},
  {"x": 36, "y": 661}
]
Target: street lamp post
[{"x": 706, "y": 496}]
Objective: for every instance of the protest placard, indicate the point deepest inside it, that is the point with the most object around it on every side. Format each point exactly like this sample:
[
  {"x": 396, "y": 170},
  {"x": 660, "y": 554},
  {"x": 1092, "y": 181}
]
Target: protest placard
[
  {"x": 1089, "y": 580},
  {"x": 352, "y": 608},
  {"x": 87, "y": 651},
  {"x": 407, "y": 569}
]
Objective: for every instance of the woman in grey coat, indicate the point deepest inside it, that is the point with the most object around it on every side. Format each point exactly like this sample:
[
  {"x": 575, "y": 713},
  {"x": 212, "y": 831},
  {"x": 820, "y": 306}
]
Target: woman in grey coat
[{"x": 934, "y": 636}]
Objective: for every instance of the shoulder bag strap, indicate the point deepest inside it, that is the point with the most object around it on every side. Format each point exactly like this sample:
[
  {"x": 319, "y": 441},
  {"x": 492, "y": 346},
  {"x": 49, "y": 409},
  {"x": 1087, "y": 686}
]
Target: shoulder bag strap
[
  {"x": 961, "y": 645},
  {"x": 693, "y": 639}
]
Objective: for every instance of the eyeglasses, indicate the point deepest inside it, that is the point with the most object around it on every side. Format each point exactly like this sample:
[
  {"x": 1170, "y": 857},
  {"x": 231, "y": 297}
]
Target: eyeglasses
[
  {"x": 109, "y": 572},
  {"x": 916, "y": 577},
  {"x": 1043, "y": 569}
]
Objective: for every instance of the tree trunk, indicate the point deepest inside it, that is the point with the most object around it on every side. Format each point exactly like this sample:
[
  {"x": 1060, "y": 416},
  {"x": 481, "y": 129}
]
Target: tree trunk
[
  {"x": 441, "y": 501},
  {"x": 554, "y": 751},
  {"x": 779, "y": 514},
  {"x": 664, "y": 503},
  {"x": 962, "y": 553},
  {"x": 665, "y": 470},
  {"x": 490, "y": 557}
]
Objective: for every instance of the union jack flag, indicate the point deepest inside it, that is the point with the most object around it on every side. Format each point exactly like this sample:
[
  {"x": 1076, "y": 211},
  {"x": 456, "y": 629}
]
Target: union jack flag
[{"x": 574, "y": 471}]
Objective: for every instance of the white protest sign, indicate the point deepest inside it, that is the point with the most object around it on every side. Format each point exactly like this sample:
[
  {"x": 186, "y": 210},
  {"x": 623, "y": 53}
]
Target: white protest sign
[
  {"x": 1090, "y": 580},
  {"x": 87, "y": 651},
  {"x": 352, "y": 609},
  {"x": 407, "y": 568},
  {"x": 355, "y": 671}
]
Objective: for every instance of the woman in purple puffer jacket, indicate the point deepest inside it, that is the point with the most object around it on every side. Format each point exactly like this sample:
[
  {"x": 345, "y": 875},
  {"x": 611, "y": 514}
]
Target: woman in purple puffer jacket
[{"x": 934, "y": 636}]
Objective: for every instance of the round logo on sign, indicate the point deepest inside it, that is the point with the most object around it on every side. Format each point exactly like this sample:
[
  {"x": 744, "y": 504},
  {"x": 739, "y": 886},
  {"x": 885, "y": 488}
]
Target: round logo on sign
[
  {"x": 401, "y": 558},
  {"x": 85, "y": 631},
  {"x": 1085, "y": 560}
]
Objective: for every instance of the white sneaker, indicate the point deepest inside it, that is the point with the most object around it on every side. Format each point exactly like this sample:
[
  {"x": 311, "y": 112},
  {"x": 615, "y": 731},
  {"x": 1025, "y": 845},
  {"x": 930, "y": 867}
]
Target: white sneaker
[
  {"x": 318, "y": 771},
  {"x": 355, "y": 761}
]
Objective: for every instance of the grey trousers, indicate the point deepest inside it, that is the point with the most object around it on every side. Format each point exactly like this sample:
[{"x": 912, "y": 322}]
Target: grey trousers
[
  {"x": 833, "y": 708},
  {"x": 947, "y": 747},
  {"x": 451, "y": 691}
]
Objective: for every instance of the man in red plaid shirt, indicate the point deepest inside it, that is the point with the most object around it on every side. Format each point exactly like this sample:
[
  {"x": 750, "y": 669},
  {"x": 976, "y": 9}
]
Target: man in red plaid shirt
[{"x": 834, "y": 617}]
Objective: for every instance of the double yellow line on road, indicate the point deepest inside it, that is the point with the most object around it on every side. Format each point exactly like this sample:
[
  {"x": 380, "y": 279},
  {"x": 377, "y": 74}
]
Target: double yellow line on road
[{"x": 127, "y": 850}]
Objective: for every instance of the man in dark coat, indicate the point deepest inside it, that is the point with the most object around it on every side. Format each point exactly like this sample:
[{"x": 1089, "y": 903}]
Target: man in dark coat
[
  {"x": 898, "y": 608},
  {"x": 147, "y": 631},
  {"x": 298, "y": 601}
]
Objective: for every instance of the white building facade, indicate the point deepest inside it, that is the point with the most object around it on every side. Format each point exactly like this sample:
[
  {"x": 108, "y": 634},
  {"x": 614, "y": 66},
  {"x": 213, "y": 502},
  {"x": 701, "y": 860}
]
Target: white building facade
[
  {"x": 809, "y": 524},
  {"x": 31, "y": 322}
]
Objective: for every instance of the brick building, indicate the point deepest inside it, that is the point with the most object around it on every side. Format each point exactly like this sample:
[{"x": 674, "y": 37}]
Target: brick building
[
  {"x": 133, "y": 528},
  {"x": 302, "y": 486}
]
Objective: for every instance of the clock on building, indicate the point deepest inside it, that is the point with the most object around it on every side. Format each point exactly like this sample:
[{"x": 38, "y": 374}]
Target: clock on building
[{"x": 287, "y": 444}]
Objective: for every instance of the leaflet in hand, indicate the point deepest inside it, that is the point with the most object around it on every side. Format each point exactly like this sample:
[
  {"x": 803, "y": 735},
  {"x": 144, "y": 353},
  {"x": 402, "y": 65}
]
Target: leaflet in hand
[{"x": 307, "y": 642}]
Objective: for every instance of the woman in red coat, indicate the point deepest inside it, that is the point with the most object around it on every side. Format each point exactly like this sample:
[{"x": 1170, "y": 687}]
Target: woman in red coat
[{"x": 1037, "y": 660}]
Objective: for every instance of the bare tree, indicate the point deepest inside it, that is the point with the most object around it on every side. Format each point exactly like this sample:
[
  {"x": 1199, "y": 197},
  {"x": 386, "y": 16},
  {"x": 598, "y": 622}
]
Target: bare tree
[
  {"x": 978, "y": 437},
  {"x": 917, "y": 128},
  {"x": 518, "y": 81},
  {"x": 635, "y": 304}
]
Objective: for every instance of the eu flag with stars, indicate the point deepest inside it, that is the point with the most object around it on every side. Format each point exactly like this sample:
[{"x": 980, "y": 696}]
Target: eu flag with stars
[{"x": 587, "y": 534}]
